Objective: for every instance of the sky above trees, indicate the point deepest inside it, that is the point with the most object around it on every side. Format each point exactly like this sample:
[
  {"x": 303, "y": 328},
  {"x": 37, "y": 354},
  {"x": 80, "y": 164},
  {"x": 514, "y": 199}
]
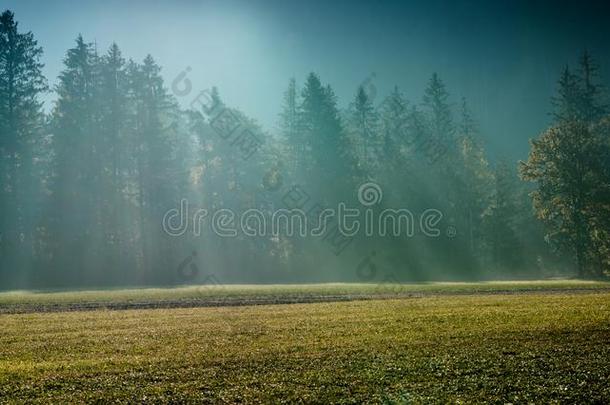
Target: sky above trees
[{"x": 504, "y": 58}]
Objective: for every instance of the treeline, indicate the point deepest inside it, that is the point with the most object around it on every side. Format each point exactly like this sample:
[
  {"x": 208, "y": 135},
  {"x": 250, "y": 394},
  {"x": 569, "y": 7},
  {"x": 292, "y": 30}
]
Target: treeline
[{"x": 86, "y": 186}]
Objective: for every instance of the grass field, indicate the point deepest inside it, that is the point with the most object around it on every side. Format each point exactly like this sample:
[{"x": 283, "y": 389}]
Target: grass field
[
  {"x": 495, "y": 342},
  {"x": 228, "y": 295}
]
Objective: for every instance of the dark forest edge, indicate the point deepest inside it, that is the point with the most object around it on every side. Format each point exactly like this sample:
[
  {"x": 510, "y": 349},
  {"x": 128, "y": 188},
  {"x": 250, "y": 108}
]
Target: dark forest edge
[{"x": 85, "y": 186}]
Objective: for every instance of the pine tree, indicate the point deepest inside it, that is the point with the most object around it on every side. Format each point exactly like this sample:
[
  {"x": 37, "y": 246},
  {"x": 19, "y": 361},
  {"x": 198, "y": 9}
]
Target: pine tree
[
  {"x": 475, "y": 179},
  {"x": 592, "y": 106},
  {"x": 580, "y": 96},
  {"x": 155, "y": 164},
  {"x": 438, "y": 109},
  {"x": 438, "y": 140},
  {"x": 394, "y": 119},
  {"x": 467, "y": 125},
  {"x": 114, "y": 101},
  {"x": 290, "y": 125},
  {"x": 77, "y": 164},
  {"x": 114, "y": 113},
  {"x": 568, "y": 101},
  {"x": 21, "y": 83},
  {"x": 326, "y": 147},
  {"x": 500, "y": 220},
  {"x": 313, "y": 118},
  {"x": 364, "y": 131}
]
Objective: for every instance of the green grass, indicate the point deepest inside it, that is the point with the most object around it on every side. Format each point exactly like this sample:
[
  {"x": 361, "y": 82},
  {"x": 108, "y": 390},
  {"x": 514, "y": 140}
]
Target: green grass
[
  {"x": 470, "y": 348},
  {"x": 229, "y": 292}
]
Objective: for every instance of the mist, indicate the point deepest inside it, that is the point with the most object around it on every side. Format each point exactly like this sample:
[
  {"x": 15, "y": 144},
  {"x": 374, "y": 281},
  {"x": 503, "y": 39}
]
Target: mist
[{"x": 158, "y": 143}]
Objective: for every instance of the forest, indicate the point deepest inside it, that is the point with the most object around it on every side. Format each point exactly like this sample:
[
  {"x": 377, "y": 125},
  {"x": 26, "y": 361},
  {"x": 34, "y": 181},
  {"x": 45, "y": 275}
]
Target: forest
[{"x": 87, "y": 183}]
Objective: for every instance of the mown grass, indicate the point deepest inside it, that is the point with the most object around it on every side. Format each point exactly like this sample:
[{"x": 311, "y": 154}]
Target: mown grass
[{"x": 495, "y": 348}]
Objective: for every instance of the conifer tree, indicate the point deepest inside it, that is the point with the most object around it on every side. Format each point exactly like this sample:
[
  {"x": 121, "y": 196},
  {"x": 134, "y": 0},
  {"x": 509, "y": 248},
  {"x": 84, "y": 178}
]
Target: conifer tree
[
  {"x": 438, "y": 109},
  {"x": 76, "y": 174},
  {"x": 21, "y": 119},
  {"x": 290, "y": 125},
  {"x": 363, "y": 125}
]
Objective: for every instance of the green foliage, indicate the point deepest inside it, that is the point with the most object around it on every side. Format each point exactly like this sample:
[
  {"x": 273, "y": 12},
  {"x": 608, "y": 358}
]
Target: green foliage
[{"x": 569, "y": 165}]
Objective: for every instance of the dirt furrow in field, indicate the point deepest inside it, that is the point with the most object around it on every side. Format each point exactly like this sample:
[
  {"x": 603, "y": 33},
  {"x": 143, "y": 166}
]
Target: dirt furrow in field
[{"x": 22, "y": 308}]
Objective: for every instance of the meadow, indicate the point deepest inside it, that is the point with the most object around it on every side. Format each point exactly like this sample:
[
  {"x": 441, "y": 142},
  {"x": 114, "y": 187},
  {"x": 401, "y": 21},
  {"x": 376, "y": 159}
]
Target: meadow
[
  {"x": 515, "y": 342},
  {"x": 213, "y": 294}
]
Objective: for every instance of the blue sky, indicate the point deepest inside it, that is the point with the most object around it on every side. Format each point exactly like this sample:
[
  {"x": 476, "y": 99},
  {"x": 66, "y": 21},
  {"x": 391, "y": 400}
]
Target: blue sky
[{"x": 504, "y": 57}]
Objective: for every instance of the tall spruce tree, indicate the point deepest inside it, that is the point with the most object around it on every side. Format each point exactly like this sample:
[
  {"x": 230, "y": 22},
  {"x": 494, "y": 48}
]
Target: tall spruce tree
[
  {"x": 500, "y": 221},
  {"x": 475, "y": 179},
  {"x": 75, "y": 212},
  {"x": 593, "y": 106},
  {"x": 155, "y": 164},
  {"x": 326, "y": 147},
  {"x": 363, "y": 125},
  {"x": 114, "y": 112},
  {"x": 290, "y": 118},
  {"x": 21, "y": 118},
  {"x": 436, "y": 103},
  {"x": 393, "y": 116},
  {"x": 568, "y": 101}
]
